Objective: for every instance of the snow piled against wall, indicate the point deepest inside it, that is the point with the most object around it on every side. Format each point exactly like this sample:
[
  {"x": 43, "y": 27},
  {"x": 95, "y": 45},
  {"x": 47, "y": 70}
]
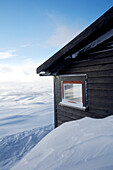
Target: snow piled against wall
[{"x": 82, "y": 144}]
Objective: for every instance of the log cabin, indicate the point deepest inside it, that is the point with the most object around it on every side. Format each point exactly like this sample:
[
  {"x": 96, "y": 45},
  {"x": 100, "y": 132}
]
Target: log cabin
[{"x": 83, "y": 73}]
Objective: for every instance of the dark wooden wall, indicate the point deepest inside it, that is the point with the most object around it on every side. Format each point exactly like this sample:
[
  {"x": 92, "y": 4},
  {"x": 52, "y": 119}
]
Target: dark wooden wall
[{"x": 99, "y": 68}]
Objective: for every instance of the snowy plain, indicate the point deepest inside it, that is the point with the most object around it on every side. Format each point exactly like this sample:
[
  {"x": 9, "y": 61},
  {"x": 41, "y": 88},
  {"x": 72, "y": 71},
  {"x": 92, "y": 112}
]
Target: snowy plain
[
  {"x": 26, "y": 116},
  {"x": 24, "y": 106}
]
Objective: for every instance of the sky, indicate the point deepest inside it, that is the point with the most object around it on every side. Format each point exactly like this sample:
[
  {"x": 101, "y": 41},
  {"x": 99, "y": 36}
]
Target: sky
[{"x": 31, "y": 31}]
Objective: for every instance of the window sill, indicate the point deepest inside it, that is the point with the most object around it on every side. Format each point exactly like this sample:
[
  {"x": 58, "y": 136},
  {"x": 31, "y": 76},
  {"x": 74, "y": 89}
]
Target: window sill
[{"x": 73, "y": 105}]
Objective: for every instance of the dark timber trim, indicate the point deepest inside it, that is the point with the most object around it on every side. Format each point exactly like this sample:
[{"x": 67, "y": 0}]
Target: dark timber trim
[{"x": 55, "y": 102}]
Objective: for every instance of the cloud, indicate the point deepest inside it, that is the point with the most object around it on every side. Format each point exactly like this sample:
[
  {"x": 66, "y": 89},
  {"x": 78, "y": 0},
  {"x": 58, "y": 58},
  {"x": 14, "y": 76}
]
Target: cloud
[
  {"x": 7, "y": 54},
  {"x": 5, "y": 69},
  {"x": 26, "y": 45},
  {"x": 25, "y": 72},
  {"x": 16, "y": 73},
  {"x": 61, "y": 36}
]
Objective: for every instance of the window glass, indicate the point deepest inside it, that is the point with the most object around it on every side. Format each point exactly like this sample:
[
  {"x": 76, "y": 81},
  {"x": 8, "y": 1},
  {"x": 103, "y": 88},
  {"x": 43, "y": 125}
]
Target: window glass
[{"x": 72, "y": 92}]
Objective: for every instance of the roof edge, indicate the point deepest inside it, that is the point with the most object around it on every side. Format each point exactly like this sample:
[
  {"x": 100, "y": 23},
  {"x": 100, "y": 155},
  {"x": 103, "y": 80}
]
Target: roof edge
[{"x": 79, "y": 40}]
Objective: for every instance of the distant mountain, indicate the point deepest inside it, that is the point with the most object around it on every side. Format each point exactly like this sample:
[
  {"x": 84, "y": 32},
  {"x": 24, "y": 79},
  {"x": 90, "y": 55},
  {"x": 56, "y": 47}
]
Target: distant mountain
[{"x": 14, "y": 147}]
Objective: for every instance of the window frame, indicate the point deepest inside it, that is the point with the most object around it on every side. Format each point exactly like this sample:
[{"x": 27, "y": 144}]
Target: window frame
[{"x": 80, "y": 78}]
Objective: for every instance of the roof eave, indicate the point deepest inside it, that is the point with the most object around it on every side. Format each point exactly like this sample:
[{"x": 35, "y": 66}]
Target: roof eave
[{"x": 91, "y": 33}]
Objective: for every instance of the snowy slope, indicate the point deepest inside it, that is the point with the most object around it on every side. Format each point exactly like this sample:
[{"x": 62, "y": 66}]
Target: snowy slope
[
  {"x": 14, "y": 147},
  {"x": 85, "y": 144},
  {"x": 24, "y": 106}
]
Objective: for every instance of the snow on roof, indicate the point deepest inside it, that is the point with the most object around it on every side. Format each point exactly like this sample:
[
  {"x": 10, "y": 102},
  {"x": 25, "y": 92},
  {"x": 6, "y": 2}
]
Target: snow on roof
[{"x": 82, "y": 144}]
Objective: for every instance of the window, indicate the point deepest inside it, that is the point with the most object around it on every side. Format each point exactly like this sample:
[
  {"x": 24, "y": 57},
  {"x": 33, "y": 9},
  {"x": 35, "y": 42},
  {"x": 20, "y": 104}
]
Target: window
[{"x": 74, "y": 91}]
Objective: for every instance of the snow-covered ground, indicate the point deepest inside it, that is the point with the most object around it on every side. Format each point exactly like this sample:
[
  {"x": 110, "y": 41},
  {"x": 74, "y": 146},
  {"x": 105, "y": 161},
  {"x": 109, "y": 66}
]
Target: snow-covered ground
[
  {"x": 85, "y": 144},
  {"x": 14, "y": 147},
  {"x": 26, "y": 116},
  {"x": 24, "y": 106}
]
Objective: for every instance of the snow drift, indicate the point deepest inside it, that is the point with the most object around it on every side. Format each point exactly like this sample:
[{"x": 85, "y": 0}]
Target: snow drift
[{"x": 82, "y": 144}]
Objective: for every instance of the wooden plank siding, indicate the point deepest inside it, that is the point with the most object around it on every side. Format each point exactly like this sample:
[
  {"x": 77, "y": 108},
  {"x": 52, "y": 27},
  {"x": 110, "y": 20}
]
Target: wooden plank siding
[{"x": 99, "y": 69}]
